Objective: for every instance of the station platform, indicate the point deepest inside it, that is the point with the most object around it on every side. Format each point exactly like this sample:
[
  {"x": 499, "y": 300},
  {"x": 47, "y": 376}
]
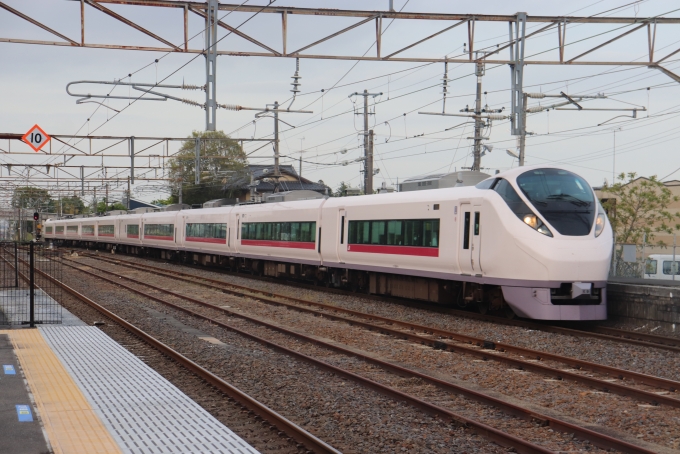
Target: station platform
[{"x": 69, "y": 388}]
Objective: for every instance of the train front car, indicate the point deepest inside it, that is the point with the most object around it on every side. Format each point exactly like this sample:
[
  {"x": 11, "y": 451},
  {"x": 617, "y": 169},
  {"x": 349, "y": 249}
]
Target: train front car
[{"x": 554, "y": 251}]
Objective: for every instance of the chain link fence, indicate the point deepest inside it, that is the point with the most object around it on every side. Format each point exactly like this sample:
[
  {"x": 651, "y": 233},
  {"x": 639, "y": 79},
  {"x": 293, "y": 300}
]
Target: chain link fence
[
  {"x": 645, "y": 262},
  {"x": 26, "y": 296}
]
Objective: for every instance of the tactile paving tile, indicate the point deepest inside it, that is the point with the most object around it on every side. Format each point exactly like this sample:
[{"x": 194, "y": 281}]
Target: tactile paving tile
[{"x": 143, "y": 411}]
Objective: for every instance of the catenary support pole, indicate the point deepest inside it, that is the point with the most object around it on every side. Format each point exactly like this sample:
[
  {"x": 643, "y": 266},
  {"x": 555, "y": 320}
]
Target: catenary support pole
[
  {"x": 517, "y": 72},
  {"x": 211, "y": 21},
  {"x": 523, "y": 137},
  {"x": 277, "y": 170}
]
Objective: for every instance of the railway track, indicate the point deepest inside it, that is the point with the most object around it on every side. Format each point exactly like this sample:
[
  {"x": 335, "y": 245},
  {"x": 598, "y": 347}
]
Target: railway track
[
  {"x": 599, "y": 439},
  {"x": 596, "y": 332},
  {"x": 255, "y": 410},
  {"x": 441, "y": 339}
]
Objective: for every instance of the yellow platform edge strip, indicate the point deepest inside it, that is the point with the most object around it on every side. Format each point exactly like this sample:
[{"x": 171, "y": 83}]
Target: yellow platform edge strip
[{"x": 71, "y": 424}]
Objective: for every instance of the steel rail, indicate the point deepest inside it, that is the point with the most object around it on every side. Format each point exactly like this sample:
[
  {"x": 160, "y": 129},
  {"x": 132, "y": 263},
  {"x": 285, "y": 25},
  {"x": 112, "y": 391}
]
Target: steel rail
[
  {"x": 664, "y": 340},
  {"x": 493, "y": 434},
  {"x": 602, "y": 440},
  {"x": 644, "y": 340},
  {"x": 645, "y": 379},
  {"x": 275, "y": 419}
]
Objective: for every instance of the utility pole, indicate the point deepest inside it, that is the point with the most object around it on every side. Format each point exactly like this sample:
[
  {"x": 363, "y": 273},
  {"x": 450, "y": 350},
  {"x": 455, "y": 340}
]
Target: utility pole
[
  {"x": 368, "y": 154},
  {"x": 369, "y": 164},
  {"x": 479, "y": 123},
  {"x": 263, "y": 113},
  {"x": 106, "y": 198},
  {"x": 128, "y": 194}
]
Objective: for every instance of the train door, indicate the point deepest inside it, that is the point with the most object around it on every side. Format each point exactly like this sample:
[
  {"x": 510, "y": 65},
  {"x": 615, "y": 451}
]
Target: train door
[
  {"x": 465, "y": 240},
  {"x": 476, "y": 238},
  {"x": 342, "y": 234}
]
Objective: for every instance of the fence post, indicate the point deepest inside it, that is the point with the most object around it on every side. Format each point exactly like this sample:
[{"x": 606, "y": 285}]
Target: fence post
[
  {"x": 16, "y": 265},
  {"x": 674, "y": 268},
  {"x": 32, "y": 282},
  {"x": 644, "y": 247}
]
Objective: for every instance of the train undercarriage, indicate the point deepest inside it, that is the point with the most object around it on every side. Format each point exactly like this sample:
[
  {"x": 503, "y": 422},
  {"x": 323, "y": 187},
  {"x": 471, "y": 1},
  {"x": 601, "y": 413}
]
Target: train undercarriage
[{"x": 486, "y": 298}]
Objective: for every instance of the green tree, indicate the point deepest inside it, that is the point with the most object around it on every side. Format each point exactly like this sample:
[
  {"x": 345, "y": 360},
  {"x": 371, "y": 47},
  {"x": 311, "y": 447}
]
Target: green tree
[
  {"x": 30, "y": 197},
  {"x": 639, "y": 206},
  {"x": 222, "y": 161},
  {"x": 101, "y": 207},
  {"x": 71, "y": 205},
  {"x": 169, "y": 201},
  {"x": 341, "y": 190}
]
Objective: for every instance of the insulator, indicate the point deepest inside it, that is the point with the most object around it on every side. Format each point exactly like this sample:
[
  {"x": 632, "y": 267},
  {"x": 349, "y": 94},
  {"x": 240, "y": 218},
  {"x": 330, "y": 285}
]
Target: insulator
[
  {"x": 496, "y": 117},
  {"x": 191, "y": 103},
  {"x": 230, "y": 106},
  {"x": 536, "y": 95},
  {"x": 535, "y": 109},
  {"x": 296, "y": 78},
  {"x": 192, "y": 87}
]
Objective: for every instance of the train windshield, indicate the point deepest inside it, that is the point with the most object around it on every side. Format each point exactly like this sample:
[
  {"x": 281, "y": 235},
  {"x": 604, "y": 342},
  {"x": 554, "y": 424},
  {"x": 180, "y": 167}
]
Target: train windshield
[{"x": 564, "y": 199}]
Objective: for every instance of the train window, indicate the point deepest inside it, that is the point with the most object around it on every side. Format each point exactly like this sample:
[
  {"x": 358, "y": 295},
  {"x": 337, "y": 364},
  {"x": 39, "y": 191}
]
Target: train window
[
  {"x": 489, "y": 183},
  {"x": 105, "y": 230},
  {"x": 650, "y": 266},
  {"x": 378, "y": 232},
  {"x": 670, "y": 267},
  {"x": 72, "y": 229},
  {"x": 87, "y": 229},
  {"x": 411, "y": 232},
  {"x": 395, "y": 233},
  {"x": 59, "y": 229},
  {"x": 279, "y": 231},
  {"x": 466, "y": 231},
  {"x": 206, "y": 230},
  {"x": 342, "y": 230},
  {"x": 48, "y": 229},
  {"x": 132, "y": 229},
  {"x": 564, "y": 199},
  {"x": 476, "y": 222},
  {"x": 166, "y": 230}
]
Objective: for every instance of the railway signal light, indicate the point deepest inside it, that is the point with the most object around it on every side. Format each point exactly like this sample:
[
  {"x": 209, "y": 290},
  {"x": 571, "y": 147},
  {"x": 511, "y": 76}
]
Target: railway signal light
[{"x": 36, "y": 216}]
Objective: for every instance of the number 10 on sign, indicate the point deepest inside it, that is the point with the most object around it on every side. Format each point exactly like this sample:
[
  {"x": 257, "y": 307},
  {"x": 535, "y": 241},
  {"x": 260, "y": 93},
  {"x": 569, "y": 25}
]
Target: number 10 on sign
[{"x": 36, "y": 138}]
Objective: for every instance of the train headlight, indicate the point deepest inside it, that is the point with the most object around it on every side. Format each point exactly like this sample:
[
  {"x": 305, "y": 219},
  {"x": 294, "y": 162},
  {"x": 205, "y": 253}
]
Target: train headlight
[
  {"x": 531, "y": 220},
  {"x": 599, "y": 224},
  {"x": 535, "y": 223}
]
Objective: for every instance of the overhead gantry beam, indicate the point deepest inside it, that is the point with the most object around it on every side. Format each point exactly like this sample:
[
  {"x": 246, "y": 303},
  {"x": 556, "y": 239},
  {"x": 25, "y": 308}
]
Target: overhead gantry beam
[{"x": 199, "y": 8}]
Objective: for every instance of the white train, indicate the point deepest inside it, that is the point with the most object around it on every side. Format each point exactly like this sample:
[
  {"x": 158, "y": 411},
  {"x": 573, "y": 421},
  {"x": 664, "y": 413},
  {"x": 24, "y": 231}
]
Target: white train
[{"x": 531, "y": 241}]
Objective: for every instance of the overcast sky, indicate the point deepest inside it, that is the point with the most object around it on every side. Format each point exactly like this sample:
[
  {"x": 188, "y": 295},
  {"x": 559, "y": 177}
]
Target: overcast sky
[{"x": 33, "y": 80}]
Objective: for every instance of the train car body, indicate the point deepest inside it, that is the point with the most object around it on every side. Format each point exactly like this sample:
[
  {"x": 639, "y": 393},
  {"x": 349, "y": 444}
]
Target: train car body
[{"x": 531, "y": 240}]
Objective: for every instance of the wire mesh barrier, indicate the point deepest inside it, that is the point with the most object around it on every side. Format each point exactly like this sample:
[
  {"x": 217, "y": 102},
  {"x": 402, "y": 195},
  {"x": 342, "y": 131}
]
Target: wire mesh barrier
[
  {"x": 26, "y": 297},
  {"x": 645, "y": 262}
]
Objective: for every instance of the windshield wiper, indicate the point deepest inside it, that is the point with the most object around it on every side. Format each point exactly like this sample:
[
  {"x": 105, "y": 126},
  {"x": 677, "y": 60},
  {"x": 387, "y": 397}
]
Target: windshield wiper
[{"x": 575, "y": 200}]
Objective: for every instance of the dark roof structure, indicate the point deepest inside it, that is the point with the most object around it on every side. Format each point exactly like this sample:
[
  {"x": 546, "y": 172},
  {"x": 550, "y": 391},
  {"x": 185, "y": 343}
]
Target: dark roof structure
[
  {"x": 264, "y": 183},
  {"x": 134, "y": 203}
]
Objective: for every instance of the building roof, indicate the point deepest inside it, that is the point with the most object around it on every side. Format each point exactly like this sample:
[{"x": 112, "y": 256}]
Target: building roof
[{"x": 264, "y": 183}]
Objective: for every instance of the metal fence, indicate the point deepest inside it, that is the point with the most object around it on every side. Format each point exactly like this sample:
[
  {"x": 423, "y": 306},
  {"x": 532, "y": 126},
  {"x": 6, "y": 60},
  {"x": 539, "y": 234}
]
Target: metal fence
[
  {"x": 645, "y": 262},
  {"x": 26, "y": 296}
]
